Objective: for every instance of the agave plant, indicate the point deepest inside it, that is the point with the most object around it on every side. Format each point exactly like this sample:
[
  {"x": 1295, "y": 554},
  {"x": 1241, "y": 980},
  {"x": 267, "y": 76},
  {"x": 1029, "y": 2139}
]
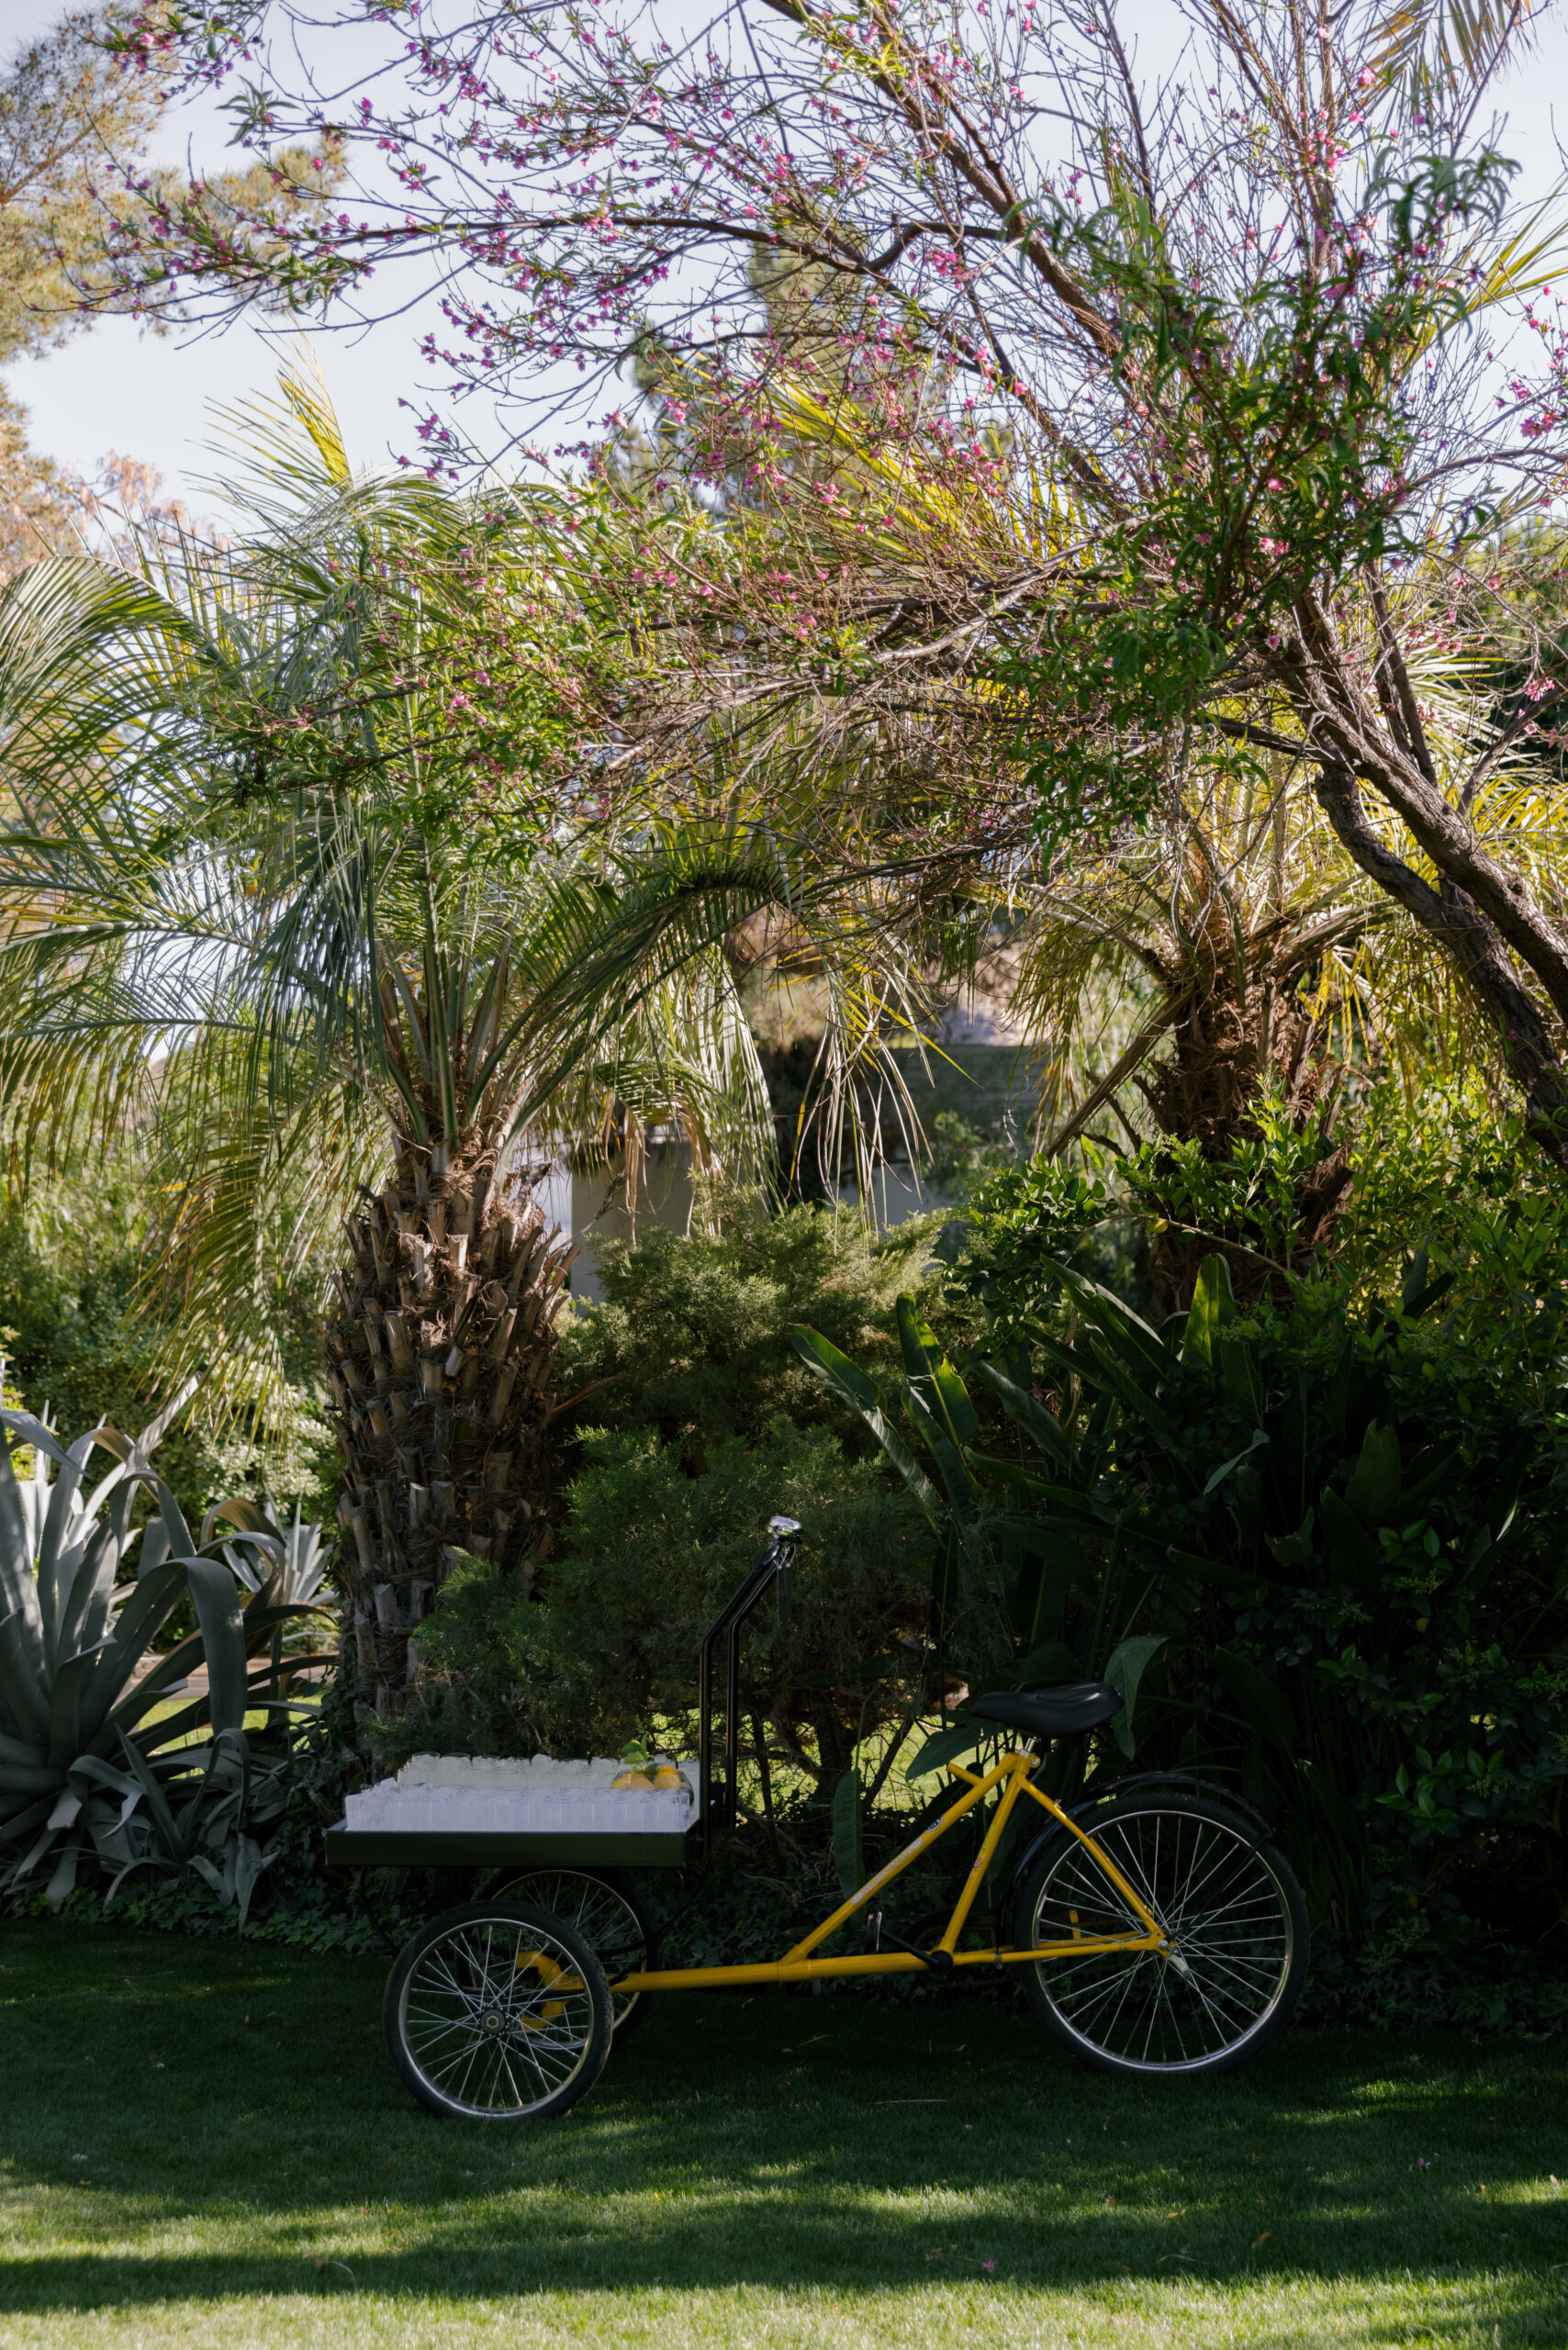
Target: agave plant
[{"x": 84, "y": 1766}]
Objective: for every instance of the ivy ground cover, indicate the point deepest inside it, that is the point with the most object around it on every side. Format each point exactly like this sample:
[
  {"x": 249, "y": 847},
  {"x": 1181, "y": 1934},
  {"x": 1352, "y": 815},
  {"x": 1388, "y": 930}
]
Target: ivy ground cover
[{"x": 203, "y": 2143}]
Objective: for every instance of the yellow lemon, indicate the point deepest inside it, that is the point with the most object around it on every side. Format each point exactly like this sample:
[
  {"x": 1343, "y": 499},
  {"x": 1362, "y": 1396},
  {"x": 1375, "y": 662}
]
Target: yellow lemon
[
  {"x": 632, "y": 1779},
  {"x": 666, "y": 1775}
]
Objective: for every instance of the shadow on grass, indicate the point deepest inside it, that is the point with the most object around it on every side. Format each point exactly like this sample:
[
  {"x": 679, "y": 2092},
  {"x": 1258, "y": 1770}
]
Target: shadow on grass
[{"x": 186, "y": 2121}]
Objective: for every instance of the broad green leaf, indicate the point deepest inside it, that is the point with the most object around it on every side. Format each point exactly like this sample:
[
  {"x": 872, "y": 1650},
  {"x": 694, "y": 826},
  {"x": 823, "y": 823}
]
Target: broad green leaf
[
  {"x": 1048, "y": 1667},
  {"x": 1265, "y": 1706},
  {"x": 1287, "y": 1456},
  {"x": 1213, "y": 1308},
  {"x": 1243, "y": 1381},
  {"x": 1293, "y": 1550},
  {"x": 934, "y": 1377},
  {"x": 838, "y": 1375},
  {"x": 946, "y": 1746},
  {"x": 848, "y": 1854},
  {"x": 1128, "y": 1663},
  {"x": 1216, "y": 1571},
  {"x": 1224, "y": 1471},
  {"x": 1373, "y": 1491},
  {"x": 1109, "y": 1378},
  {"x": 1355, "y": 1552},
  {"x": 1029, "y": 1414},
  {"x": 1140, "y": 1344}
]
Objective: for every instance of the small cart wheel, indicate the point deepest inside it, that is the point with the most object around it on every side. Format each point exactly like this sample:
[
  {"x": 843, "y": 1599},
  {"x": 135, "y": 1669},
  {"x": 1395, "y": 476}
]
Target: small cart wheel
[
  {"x": 498, "y": 2012},
  {"x": 611, "y": 1917},
  {"x": 1236, "y": 1947}
]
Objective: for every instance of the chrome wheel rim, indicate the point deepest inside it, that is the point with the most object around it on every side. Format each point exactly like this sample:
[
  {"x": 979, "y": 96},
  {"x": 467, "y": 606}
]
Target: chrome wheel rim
[
  {"x": 606, "y": 1923},
  {"x": 495, "y": 2017},
  {"x": 1229, "y": 1936}
]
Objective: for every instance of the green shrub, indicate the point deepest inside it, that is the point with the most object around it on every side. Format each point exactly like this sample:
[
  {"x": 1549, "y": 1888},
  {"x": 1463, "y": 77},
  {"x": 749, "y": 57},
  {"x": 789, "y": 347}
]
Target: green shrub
[
  {"x": 649, "y": 1554},
  {"x": 1330, "y": 1542},
  {"x": 70, "y": 1265},
  {"x": 696, "y": 1421},
  {"x": 692, "y": 1338}
]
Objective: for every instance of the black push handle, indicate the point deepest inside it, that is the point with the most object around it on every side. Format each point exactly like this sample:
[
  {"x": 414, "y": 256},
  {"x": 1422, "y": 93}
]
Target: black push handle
[{"x": 774, "y": 1566}]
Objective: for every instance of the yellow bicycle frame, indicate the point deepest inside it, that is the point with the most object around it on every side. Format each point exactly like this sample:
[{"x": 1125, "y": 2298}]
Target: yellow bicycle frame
[{"x": 798, "y": 1965}]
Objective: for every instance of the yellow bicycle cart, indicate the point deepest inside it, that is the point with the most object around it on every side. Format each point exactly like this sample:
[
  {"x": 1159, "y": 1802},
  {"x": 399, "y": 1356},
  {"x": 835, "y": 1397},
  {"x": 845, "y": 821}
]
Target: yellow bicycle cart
[{"x": 1158, "y": 1928}]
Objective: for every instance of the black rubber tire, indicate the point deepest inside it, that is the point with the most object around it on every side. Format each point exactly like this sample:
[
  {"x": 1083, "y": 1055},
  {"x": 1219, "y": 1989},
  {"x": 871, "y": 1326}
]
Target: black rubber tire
[
  {"x": 1240, "y": 1938},
  {"x": 621, "y": 1948},
  {"x": 498, "y": 2012}
]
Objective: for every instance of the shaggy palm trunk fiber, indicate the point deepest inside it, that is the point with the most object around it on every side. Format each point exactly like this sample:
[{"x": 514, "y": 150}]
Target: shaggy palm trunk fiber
[
  {"x": 1226, "y": 1051},
  {"x": 440, "y": 1347}
]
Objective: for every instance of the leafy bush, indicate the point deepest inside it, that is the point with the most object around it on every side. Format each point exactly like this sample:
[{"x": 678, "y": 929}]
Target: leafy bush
[
  {"x": 692, "y": 1338},
  {"x": 693, "y": 1423},
  {"x": 71, "y": 1268},
  {"x": 650, "y": 1554},
  {"x": 1327, "y": 1548}
]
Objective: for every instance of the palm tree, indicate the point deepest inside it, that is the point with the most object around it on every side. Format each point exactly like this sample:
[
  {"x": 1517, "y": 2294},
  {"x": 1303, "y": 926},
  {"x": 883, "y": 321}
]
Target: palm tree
[{"x": 296, "y": 844}]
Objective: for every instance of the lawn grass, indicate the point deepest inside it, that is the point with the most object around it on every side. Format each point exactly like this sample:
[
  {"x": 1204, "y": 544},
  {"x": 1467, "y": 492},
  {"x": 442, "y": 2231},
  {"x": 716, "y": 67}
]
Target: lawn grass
[{"x": 203, "y": 2143}]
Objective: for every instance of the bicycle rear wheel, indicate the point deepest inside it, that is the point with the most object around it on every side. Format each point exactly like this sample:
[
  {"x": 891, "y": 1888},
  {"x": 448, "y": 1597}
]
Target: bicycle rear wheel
[
  {"x": 611, "y": 1917},
  {"x": 1239, "y": 1937}
]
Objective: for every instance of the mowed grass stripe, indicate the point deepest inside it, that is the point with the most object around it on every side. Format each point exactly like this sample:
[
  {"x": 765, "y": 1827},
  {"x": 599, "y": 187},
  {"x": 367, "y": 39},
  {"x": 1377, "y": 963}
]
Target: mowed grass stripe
[{"x": 204, "y": 2142}]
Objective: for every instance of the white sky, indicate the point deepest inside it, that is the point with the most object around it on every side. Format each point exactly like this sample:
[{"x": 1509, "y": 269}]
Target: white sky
[{"x": 146, "y": 397}]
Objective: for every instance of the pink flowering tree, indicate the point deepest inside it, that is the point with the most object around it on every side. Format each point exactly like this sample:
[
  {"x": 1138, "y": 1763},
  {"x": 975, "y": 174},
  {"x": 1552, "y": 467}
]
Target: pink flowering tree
[{"x": 1188, "y": 421}]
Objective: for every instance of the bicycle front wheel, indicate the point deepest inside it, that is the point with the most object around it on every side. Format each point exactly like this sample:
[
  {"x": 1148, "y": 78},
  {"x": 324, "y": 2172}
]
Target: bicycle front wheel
[
  {"x": 1238, "y": 1938},
  {"x": 497, "y": 2013}
]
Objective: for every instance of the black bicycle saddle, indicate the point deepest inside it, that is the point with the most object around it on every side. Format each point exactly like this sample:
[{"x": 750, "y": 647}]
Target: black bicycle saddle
[{"x": 1068, "y": 1712}]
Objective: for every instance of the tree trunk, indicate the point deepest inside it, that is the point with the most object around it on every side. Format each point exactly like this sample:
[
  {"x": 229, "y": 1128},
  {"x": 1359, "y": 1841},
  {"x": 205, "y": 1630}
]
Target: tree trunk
[
  {"x": 1241, "y": 1027},
  {"x": 439, "y": 1350},
  {"x": 1482, "y": 914}
]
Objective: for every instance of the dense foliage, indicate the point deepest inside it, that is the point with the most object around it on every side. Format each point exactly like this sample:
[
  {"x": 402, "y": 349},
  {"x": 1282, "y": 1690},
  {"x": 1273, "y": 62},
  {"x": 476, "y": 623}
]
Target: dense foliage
[
  {"x": 75, "y": 1266},
  {"x": 691, "y": 1423},
  {"x": 1320, "y": 1547}
]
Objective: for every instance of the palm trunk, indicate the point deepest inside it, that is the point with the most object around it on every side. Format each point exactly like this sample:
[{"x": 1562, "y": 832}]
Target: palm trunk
[
  {"x": 1241, "y": 1028},
  {"x": 440, "y": 1347}
]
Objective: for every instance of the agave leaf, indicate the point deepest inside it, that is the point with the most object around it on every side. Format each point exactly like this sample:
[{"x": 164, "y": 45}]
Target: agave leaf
[
  {"x": 157, "y": 1811},
  {"x": 84, "y": 1619},
  {"x": 57, "y": 1558},
  {"x": 63, "y": 1883},
  {"x": 245, "y": 1515},
  {"x": 65, "y": 1723},
  {"x": 221, "y": 1619}
]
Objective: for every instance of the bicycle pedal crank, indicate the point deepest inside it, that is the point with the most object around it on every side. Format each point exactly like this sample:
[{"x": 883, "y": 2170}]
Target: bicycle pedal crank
[{"x": 880, "y": 1937}]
